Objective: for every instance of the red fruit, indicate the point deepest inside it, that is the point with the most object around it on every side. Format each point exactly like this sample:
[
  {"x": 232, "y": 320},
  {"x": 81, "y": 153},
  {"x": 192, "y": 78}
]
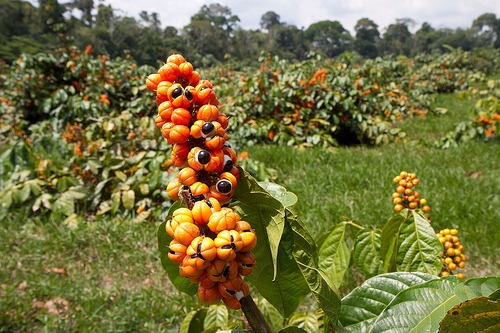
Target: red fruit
[
  {"x": 181, "y": 116},
  {"x": 228, "y": 242},
  {"x": 230, "y": 287},
  {"x": 187, "y": 176},
  {"x": 207, "y": 113},
  {"x": 152, "y": 81},
  {"x": 246, "y": 262},
  {"x": 176, "y": 59},
  {"x": 225, "y": 219},
  {"x": 198, "y": 188},
  {"x": 185, "y": 232},
  {"x": 173, "y": 189},
  {"x": 169, "y": 72},
  {"x": 165, "y": 110},
  {"x": 209, "y": 295},
  {"x": 176, "y": 252},
  {"x": 179, "y": 134}
]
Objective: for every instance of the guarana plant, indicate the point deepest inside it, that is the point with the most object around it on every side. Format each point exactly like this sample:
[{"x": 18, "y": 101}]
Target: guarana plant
[{"x": 228, "y": 236}]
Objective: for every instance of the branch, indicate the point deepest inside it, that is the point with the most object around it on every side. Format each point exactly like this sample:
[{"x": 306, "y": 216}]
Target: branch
[{"x": 253, "y": 314}]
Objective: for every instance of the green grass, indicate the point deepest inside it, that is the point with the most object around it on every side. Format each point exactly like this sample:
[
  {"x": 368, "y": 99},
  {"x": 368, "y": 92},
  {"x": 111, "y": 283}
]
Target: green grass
[
  {"x": 114, "y": 282},
  {"x": 112, "y": 279},
  {"x": 462, "y": 185}
]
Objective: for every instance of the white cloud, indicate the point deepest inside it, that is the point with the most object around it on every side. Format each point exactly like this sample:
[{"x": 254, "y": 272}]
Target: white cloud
[{"x": 439, "y": 13}]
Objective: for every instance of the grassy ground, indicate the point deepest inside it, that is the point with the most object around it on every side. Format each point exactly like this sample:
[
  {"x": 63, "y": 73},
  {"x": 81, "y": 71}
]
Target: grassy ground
[{"x": 105, "y": 276}]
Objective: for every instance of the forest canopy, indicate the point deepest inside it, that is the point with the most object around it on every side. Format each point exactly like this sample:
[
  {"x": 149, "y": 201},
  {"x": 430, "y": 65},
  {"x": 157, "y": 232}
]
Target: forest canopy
[{"x": 214, "y": 34}]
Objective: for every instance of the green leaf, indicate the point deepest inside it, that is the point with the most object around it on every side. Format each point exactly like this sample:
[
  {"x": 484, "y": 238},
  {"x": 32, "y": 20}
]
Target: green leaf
[
  {"x": 361, "y": 307},
  {"x": 305, "y": 321},
  {"x": 334, "y": 253},
  {"x": 128, "y": 199},
  {"x": 366, "y": 253},
  {"x": 116, "y": 198},
  {"x": 480, "y": 314},
  {"x": 419, "y": 248},
  {"x": 180, "y": 283},
  {"x": 478, "y": 287},
  {"x": 419, "y": 308},
  {"x": 24, "y": 193},
  {"x": 217, "y": 316},
  {"x": 121, "y": 175},
  {"x": 304, "y": 253},
  {"x": 389, "y": 240},
  {"x": 280, "y": 193},
  {"x": 270, "y": 212},
  {"x": 272, "y": 316},
  {"x": 285, "y": 290},
  {"x": 65, "y": 204},
  {"x": 193, "y": 322}
]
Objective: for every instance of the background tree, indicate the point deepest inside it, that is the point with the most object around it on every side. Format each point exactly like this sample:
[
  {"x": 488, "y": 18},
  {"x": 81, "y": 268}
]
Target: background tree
[
  {"x": 86, "y": 7},
  {"x": 367, "y": 38},
  {"x": 268, "y": 20},
  {"x": 425, "y": 39},
  {"x": 397, "y": 39},
  {"x": 209, "y": 33},
  {"x": 488, "y": 29},
  {"x": 328, "y": 37},
  {"x": 287, "y": 41}
]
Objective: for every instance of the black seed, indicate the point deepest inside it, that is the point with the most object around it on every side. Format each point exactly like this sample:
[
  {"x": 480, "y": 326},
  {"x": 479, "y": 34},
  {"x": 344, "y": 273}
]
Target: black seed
[
  {"x": 177, "y": 92},
  {"x": 209, "y": 204},
  {"x": 188, "y": 95},
  {"x": 207, "y": 128},
  {"x": 231, "y": 292},
  {"x": 228, "y": 165},
  {"x": 198, "y": 197},
  {"x": 224, "y": 186},
  {"x": 171, "y": 252},
  {"x": 202, "y": 157},
  {"x": 225, "y": 272},
  {"x": 225, "y": 247}
]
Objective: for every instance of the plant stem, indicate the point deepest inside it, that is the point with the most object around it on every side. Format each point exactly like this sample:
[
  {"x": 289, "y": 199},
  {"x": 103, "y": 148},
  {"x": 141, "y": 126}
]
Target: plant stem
[{"x": 253, "y": 315}]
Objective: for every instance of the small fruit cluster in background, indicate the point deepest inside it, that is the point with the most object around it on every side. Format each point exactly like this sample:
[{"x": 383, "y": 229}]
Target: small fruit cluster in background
[
  {"x": 211, "y": 244},
  {"x": 405, "y": 195},
  {"x": 452, "y": 256}
]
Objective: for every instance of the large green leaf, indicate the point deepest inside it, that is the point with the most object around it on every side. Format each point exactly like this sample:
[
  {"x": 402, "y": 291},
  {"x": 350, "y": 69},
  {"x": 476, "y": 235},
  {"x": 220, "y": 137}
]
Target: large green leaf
[
  {"x": 366, "y": 253},
  {"x": 390, "y": 240},
  {"x": 419, "y": 308},
  {"x": 280, "y": 193},
  {"x": 419, "y": 249},
  {"x": 422, "y": 307},
  {"x": 334, "y": 253},
  {"x": 193, "y": 322},
  {"x": 480, "y": 314},
  {"x": 474, "y": 287},
  {"x": 269, "y": 211},
  {"x": 286, "y": 289},
  {"x": 181, "y": 283},
  {"x": 361, "y": 307},
  {"x": 217, "y": 317},
  {"x": 304, "y": 253}
]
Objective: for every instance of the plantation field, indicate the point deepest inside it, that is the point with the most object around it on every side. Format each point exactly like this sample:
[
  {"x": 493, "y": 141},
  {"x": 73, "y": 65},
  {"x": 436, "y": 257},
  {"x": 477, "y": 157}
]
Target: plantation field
[
  {"x": 87, "y": 148},
  {"x": 103, "y": 274}
]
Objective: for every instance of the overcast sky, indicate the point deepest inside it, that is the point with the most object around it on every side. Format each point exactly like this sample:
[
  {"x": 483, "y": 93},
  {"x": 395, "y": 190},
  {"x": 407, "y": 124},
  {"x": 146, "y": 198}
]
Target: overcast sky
[{"x": 439, "y": 13}]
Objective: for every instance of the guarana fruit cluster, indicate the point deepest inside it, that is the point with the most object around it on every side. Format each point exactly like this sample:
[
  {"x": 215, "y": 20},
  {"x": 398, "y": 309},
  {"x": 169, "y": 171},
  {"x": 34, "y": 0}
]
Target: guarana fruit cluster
[
  {"x": 211, "y": 244},
  {"x": 405, "y": 195},
  {"x": 452, "y": 257}
]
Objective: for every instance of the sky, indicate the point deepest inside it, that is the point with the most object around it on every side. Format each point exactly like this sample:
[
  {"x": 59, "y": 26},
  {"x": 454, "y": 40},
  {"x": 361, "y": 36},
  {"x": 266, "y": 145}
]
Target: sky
[{"x": 439, "y": 13}]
